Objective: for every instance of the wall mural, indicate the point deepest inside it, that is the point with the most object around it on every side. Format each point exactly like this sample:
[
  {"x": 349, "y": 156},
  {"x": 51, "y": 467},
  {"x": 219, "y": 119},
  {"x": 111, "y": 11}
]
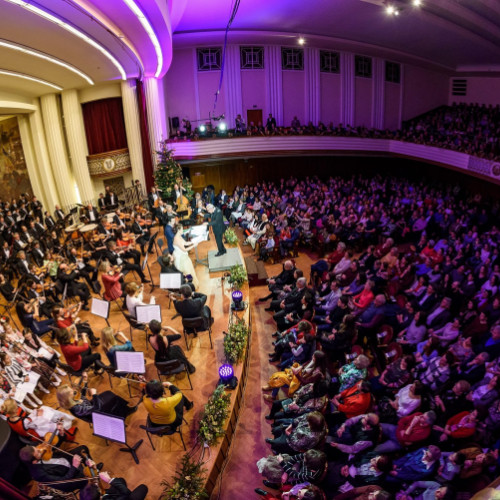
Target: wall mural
[{"x": 13, "y": 173}]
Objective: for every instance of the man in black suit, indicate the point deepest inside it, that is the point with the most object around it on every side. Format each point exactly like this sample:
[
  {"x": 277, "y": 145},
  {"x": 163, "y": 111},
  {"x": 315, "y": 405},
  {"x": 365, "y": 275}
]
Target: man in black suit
[
  {"x": 111, "y": 200},
  {"x": 276, "y": 283},
  {"x": 101, "y": 202},
  {"x": 193, "y": 306},
  {"x": 68, "y": 278},
  {"x": 118, "y": 490},
  {"x": 217, "y": 224},
  {"x": 59, "y": 468}
]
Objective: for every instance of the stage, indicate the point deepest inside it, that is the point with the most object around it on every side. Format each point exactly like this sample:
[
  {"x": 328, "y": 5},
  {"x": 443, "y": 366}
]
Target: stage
[{"x": 225, "y": 262}]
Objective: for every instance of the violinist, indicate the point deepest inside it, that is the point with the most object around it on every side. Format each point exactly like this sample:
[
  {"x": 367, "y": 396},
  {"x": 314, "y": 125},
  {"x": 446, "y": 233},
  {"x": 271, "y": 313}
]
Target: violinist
[
  {"x": 134, "y": 297},
  {"x": 116, "y": 258},
  {"x": 111, "y": 277},
  {"x": 66, "y": 318},
  {"x": 29, "y": 316},
  {"x": 51, "y": 263},
  {"x": 37, "y": 424},
  {"x": 44, "y": 297},
  {"x": 112, "y": 342},
  {"x": 126, "y": 241},
  {"x": 78, "y": 356},
  {"x": 86, "y": 270},
  {"x": 118, "y": 489},
  {"x": 63, "y": 466},
  {"x": 140, "y": 228},
  {"x": 43, "y": 353},
  {"x": 37, "y": 254},
  {"x": 67, "y": 276},
  {"x": 104, "y": 229},
  {"x": 54, "y": 243},
  {"x": 106, "y": 402},
  {"x": 6, "y": 289},
  {"x": 119, "y": 219}
]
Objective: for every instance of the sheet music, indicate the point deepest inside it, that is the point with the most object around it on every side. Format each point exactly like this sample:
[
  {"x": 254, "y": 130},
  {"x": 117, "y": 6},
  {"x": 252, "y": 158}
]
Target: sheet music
[
  {"x": 145, "y": 262},
  {"x": 20, "y": 393},
  {"x": 130, "y": 362},
  {"x": 170, "y": 281},
  {"x": 54, "y": 415},
  {"x": 109, "y": 427},
  {"x": 43, "y": 353},
  {"x": 100, "y": 308},
  {"x": 147, "y": 313}
]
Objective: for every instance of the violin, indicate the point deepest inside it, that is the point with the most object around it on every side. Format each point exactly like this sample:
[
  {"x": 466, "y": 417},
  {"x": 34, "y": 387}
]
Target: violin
[
  {"x": 50, "y": 440},
  {"x": 40, "y": 287},
  {"x": 92, "y": 472}
]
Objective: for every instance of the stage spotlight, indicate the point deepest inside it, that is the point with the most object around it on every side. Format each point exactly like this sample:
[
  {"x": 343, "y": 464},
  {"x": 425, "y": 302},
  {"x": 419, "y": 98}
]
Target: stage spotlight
[
  {"x": 203, "y": 129},
  {"x": 238, "y": 304},
  {"x": 222, "y": 126},
  {"x": 417, "y": 3},
  {"x": 301, "y": 41},
  {"x": 226, "y": 376},
  {"x": 390, "y": 10}
]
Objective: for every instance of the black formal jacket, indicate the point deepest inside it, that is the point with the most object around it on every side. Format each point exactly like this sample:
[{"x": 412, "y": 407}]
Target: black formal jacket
[
  {"x": 118, "y": 490},
  {"x": 192, "y": 307},
  {"x": 217, "y": 222}
]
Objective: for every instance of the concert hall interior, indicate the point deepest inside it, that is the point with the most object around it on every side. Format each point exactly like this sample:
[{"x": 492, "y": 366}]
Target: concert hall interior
[{"x": 250, "y": 249}]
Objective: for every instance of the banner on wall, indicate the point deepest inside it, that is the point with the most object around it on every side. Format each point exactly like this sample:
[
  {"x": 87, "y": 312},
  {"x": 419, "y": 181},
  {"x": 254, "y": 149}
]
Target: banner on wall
[{"x": 14, "y": 177}]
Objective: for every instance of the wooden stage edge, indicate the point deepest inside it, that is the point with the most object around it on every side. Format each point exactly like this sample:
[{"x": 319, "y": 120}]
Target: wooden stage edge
[{"x": 222, "y": 449}]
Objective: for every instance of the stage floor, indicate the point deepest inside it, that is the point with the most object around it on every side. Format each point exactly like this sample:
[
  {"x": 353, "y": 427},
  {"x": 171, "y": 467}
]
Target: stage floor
[{"x": 225, "y": 262}]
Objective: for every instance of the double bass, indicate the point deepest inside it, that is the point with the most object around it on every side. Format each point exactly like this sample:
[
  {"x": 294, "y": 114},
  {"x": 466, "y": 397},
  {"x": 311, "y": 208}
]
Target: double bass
[{"x": 182, "y": 202}]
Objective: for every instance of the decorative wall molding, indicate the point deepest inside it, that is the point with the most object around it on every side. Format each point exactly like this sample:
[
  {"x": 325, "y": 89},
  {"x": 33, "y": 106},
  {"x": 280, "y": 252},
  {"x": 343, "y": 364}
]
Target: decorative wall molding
[
  {"x": 110, "y": 164},
  {"x": 320, "y": 145}
]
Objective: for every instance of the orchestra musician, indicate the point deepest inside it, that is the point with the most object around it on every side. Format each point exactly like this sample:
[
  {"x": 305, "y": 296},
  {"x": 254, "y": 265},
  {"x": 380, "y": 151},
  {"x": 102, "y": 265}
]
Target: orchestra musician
[
  {"x": 91, "y": 214},
  {"x": 118, "y": 489},
  {"x": 111, "y": 277},
  {"x": 81, "y": 261},
  {"x": 111, "y": 201},
  {"x": 101, "y": 202},
  {"x": 67, "y": 317},
  {"x": 68, "y": 276},
  {"x": 115, "y": 258},
  {"x": 141, "y": 230},
  {"x": 59, "y": 214},
  {"x": 58, "y": 468}
]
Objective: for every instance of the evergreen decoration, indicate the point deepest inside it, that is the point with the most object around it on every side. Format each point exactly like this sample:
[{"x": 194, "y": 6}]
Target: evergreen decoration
[
  {"x": 238, "y": 276},
  {"x": 235, "y": 341},
  {"x": 214, "y": 417},
  {"x": 168, "y": 173},
  {"x": 231, "y": 237},
  {"x": 188, "y": 481}
]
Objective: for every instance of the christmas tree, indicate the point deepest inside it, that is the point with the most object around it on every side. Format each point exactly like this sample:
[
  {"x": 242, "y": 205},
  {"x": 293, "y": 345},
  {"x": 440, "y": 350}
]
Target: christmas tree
[{"x": 169, "y": 173}]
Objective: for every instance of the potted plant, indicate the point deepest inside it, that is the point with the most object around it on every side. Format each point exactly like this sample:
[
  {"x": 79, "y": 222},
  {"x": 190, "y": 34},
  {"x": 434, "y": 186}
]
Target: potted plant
[
  {"x": 238, "y": 276},
  {"x": 188, "y": 481},
  {"x": 235, "y": 341},
  {"x": 231, "y": 237}
]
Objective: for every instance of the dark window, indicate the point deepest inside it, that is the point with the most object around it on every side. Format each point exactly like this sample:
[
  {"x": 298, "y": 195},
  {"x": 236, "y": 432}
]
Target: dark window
[
  {"x": 209, "y": 59},
  {"x": 392, "y": 72},
  {"x": 459, "y": 87},
  {"x": 363, "y": 66},
  {"x": 329, "y": 62},
  {"x": 252, "y": 57},
  {"x": 292, "y": 59}
]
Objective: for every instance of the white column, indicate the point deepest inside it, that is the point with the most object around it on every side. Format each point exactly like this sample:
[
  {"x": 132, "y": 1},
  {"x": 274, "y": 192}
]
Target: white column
[
  {"x": 77, "y": 143},
  {"x": 155, "y": 104},
  {"x": 378, "y": 93},
  {"x": 311, "y": 67},
  {"x": 41, "y": 154},
  {"x": 57, "y": 150},
  {"x": 31, "y": 163},
  {"x": 232, "y": 85},
  {"x": 347, "y": 88},
  {"x": 401, "y": 95},
  {"x": 274, "y": 83},
  {"x": 131, "y": 116}
]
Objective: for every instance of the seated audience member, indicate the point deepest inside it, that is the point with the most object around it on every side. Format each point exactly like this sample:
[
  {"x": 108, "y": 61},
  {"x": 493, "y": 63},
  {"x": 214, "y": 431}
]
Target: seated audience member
[{"x": 165, "y": 410}]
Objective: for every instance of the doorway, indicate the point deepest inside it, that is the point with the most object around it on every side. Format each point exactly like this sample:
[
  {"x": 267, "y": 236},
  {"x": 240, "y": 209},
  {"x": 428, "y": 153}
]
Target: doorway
[{"x": 254, "y": 115}]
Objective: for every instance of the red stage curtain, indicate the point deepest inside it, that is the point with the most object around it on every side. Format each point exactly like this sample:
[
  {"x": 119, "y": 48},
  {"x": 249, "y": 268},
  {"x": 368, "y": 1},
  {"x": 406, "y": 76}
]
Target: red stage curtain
[
  {"x": 147, "y": 158},
  {"x": 9, "y": 492},
  {"x": 104, "y": 125}
]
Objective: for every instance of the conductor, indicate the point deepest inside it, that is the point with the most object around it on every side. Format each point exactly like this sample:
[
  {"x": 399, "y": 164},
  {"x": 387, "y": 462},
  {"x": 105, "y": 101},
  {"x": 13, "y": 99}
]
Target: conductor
[{"x": 217, "y": 223}]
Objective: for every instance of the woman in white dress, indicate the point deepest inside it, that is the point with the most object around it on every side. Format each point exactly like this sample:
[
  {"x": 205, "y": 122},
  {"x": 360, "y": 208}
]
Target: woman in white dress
[{"x": 181, "y": 257}]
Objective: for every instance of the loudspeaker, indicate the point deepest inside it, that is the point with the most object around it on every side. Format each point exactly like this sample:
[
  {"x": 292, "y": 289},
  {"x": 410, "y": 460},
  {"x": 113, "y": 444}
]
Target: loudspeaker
[{"x": 175, "y": 122}]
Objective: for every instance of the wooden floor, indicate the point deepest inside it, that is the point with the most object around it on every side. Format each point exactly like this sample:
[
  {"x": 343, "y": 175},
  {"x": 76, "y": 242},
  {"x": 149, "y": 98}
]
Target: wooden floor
[{"x": 159, "y": 465}]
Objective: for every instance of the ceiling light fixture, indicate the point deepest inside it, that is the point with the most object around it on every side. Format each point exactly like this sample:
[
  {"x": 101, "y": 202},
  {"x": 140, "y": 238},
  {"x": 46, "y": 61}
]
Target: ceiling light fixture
[
  {"x": 390, "y": 10},
  {"x": 301, "y": 41},
  {"x": 41, "y": 55},
  {"x": 149, "y": 30},
  {"x": 417, "y": 3},
  {"x": 71, "y": 29},
  {"x": 28, "y": 77}
]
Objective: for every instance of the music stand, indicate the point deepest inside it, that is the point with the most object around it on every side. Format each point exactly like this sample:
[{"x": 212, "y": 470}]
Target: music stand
[
  {"x": 100, "y": 308},
  {"x": 112, "y": 428}
]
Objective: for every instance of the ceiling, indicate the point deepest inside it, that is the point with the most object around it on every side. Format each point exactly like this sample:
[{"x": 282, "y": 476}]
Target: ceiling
[
  {"x": 455, "y": 34},
  {"x": 109, "y": 23}
]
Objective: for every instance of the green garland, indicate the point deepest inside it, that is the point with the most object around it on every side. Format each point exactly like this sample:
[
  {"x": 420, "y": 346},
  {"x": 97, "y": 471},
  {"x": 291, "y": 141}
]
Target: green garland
[
  {"x": 238, "y": 276},
  {"x": 235, "y": 341},
  {"x": 231, "y": 237},
  {"x": 214, "y": 417},
  {"x": 188, "y": 482}
]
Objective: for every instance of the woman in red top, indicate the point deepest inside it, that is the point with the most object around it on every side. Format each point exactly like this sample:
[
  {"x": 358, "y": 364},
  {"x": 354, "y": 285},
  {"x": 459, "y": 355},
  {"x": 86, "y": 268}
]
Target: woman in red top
[
  {"x": 460, "y": 426},
  {"x": 111, "y": 280},
  {"x": 365, "y": 298},
  {"x": 66, "y": 318},
  {"x": 79, "y": 357}
]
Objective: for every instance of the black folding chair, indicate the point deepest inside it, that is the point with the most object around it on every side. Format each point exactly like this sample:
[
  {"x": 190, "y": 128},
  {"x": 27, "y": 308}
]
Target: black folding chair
[
  {"x": 195, "y": 326},
  {"x": 163, "y": 430},
  {"x": 171, "y": 368}
]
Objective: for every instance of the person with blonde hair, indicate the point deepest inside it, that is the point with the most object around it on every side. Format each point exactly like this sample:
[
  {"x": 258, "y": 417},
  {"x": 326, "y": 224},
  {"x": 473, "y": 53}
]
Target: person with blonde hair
[
  {"x": 106, "y": 402},
  {"x": 112, "y": 342}
]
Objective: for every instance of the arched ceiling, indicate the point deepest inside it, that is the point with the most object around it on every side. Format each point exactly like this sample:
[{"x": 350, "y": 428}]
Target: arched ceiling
[
  {"x": 456, "y": 34},
  {"x": 111, "y": 24}
]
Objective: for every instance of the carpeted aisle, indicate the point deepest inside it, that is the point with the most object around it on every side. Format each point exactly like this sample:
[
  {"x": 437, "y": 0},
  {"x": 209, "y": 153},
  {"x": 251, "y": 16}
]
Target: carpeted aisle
[{"x": 241, "y": 476}]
